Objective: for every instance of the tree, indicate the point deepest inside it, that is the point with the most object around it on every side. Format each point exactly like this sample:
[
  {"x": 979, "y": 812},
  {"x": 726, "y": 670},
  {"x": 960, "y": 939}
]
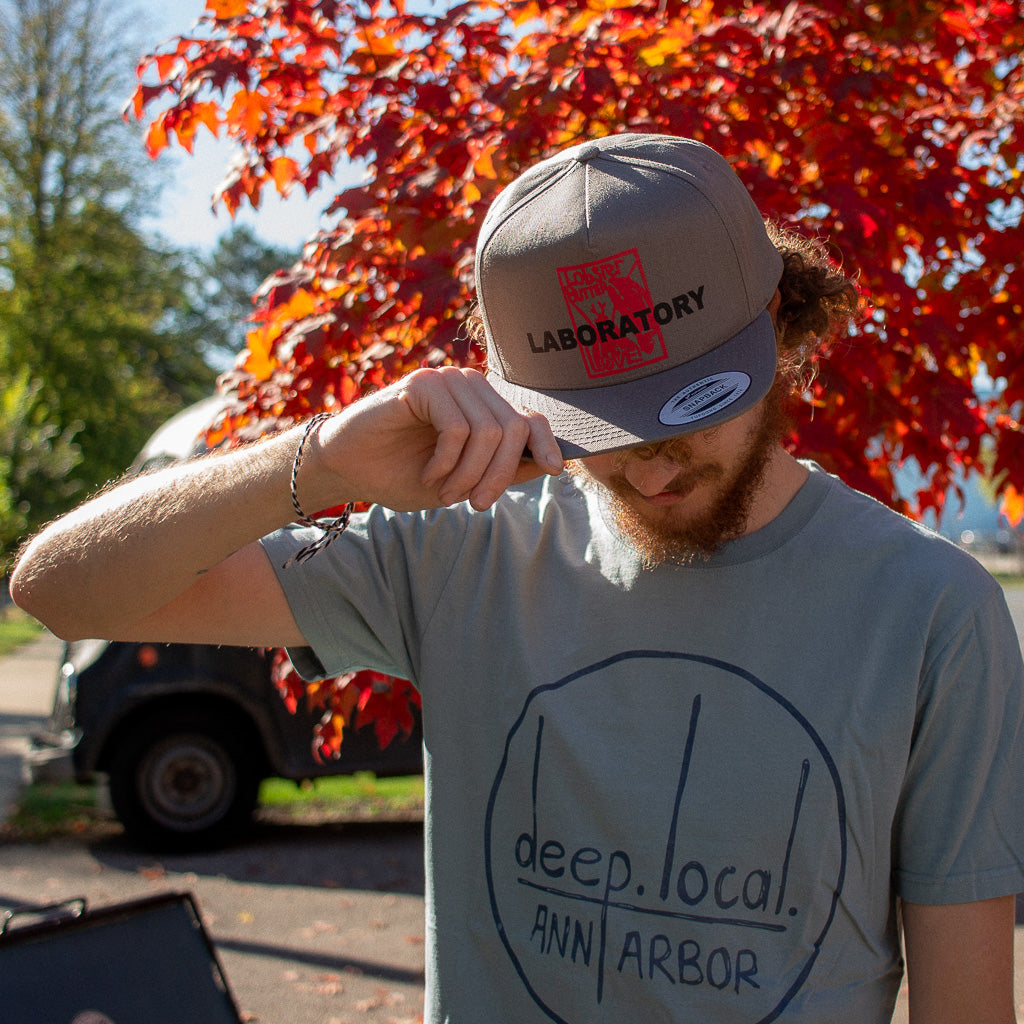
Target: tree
[
  {"x": 62, "y": 142},
  {"x": 88, "y": 309},
  {"x": 35, "y": 461},
  {"x": 224, "y": 285},
  {"x": 891, "y": 129}
]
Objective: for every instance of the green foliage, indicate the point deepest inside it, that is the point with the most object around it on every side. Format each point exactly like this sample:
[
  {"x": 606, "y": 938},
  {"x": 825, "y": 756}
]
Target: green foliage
[
  {"x": 97, "y": 332},
  {"x": 64, "y": 70},
  {"x": 36, "y": 460}
]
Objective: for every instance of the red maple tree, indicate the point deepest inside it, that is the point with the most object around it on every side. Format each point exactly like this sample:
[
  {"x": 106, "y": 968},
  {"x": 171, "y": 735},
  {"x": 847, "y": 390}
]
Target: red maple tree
[{"x": 892, "y": 130}]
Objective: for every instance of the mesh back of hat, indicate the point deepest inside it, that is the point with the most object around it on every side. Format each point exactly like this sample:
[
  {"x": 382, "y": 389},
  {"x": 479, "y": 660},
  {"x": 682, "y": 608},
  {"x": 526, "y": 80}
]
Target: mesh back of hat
[{"x": 623, "y": 286}]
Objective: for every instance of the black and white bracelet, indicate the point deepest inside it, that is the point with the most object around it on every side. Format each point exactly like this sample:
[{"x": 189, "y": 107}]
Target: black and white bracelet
[{"x": 330, "y": 529}]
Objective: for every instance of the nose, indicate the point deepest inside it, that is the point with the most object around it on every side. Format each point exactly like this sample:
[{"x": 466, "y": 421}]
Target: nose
[{"x": 650, "y": 476}]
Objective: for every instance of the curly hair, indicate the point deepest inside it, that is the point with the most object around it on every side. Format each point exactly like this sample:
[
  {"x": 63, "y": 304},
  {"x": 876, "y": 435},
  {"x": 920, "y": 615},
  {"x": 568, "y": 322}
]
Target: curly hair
[{"x": 819, "y": 301}]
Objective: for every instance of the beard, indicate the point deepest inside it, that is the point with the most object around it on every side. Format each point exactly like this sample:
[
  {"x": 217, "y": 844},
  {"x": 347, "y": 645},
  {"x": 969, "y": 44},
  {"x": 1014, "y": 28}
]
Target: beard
[{"x": 723, "y": 519}]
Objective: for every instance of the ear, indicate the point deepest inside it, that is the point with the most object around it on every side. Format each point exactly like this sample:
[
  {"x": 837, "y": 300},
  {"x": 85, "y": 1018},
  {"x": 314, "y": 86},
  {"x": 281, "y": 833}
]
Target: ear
[{"x": 776, "y": 301}]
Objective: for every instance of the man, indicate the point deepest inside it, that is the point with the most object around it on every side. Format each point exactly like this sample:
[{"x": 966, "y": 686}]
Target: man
[{"x": 702, "y": 725}]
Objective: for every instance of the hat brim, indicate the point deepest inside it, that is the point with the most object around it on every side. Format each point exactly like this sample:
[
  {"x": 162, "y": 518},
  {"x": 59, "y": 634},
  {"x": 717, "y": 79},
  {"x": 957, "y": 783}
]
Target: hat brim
[{"x": 700, "y": 394}]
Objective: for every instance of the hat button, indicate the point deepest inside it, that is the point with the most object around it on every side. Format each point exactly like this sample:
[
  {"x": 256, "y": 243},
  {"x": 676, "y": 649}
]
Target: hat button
[{"x": 588, "y": 152}]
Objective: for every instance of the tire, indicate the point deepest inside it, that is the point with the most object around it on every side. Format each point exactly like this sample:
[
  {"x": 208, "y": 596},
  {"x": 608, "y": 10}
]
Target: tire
[{"x": 184, "y": 780}]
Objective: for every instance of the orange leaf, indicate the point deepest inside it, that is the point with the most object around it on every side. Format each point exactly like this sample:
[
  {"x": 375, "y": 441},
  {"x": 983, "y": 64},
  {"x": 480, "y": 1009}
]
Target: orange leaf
[
  {"x": 300, "y": 305},
  {"x": 1013, "y": 505},
  {"x": 165, "y": 65},
  {"x": 522, "y": 13},
  {"x": 379, "y": 44},
  {"x": 207, "y": 114},
  {"x": 960, "y": 24},
  {"x": 190, "y": 118},
  {"x": 156, "y": 138},
  {"x": 344, "y": 700},
  {"x": 283, "y": 170},
  {"x": 248, "y": 111},
  {"x": 259, "y": 360},
  {"x": 483, "y": 165},
  {"x": 224, "y": 9},
  {"x": 669, "y": 43}
]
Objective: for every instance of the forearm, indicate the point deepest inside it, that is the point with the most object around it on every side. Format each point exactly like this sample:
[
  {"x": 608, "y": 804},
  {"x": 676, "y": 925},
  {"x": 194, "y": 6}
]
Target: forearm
[
  {"x": 136, "y": 547},
  {"x": 960, "y": 962}
]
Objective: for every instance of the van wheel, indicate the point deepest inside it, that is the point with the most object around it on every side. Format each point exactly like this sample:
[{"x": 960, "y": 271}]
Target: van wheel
[{"x": 184, "y": 780}]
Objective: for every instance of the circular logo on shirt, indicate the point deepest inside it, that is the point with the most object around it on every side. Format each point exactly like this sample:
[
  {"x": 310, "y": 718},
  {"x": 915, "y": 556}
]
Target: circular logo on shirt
[
  {"x": 704, "y": 398},
  {"x": 664, "y": 831}
]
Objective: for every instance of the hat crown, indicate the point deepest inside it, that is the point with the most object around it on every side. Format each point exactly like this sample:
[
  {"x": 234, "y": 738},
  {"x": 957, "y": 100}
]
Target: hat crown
[{"x": 619, "y": 259}]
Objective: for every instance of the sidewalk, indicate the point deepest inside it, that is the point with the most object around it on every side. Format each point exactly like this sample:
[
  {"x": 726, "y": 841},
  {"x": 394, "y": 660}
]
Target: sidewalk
[{"x": 28, "y": 679}]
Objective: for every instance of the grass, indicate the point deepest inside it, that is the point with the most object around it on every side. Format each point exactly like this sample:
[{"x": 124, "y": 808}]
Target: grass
[
  {"x": 359, "y": 797},
  {"x": 51, "y": 810},
  {"x": 16, "y": 628},
  {"x": 401, "y": 791}
]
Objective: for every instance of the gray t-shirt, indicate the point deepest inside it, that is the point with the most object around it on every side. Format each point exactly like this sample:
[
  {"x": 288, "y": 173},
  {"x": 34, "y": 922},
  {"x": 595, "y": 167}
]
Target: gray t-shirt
[{"x": 689, "y": 793}]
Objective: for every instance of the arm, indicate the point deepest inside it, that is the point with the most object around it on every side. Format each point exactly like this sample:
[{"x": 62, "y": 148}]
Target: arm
[
  {"x": 173, "y": 556},
  {"x": 960, "y": 962}
]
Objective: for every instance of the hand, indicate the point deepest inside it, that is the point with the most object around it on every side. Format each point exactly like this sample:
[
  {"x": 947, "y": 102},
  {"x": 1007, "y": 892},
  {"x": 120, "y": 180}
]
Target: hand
[{"x": 434, "y": 438}]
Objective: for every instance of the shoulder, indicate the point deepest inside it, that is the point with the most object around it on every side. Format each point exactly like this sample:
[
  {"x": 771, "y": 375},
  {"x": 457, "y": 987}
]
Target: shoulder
[{"x": 869, "y": 539}]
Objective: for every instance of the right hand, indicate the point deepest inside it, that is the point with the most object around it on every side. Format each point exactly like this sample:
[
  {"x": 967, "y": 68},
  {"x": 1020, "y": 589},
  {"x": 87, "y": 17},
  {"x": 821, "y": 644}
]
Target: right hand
[{"x": 436, "y": 437}]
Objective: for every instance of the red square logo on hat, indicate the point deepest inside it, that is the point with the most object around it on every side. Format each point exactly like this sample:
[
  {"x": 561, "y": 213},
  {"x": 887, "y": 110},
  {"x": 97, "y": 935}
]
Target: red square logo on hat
[{"x": 612, "y": 314}]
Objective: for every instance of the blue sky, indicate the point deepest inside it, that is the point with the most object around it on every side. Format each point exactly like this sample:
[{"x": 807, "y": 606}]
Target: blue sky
[{"x": 185, "y": 216}]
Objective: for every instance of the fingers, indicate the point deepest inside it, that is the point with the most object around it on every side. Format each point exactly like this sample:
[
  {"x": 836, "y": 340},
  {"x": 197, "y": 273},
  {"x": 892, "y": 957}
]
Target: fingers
[
  {"x": 543, "y": 446},
  {"x": 481, "y": 439}
]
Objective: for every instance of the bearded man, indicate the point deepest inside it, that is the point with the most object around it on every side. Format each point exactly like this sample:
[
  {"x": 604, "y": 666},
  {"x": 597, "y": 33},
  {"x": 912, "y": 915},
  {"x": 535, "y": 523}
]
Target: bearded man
[{"x": 706, "y": 732}]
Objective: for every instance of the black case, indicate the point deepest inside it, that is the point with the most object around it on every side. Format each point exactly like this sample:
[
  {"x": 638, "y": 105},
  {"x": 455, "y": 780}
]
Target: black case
[{"x": 145, "y": 961}]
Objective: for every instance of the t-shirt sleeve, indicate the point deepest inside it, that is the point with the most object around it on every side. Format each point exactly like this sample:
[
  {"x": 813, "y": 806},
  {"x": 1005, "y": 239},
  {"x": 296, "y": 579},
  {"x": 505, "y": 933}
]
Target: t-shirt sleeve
[
  {"x": 959, "y": 832},
  {"x": 361, "y": 602}
]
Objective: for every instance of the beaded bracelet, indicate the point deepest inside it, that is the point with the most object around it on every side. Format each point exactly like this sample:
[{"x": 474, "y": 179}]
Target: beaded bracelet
[{"x": 331, "y": 528}]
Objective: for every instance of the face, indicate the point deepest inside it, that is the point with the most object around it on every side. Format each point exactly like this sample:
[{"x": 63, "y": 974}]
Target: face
[{"x": 683, "y": 498}]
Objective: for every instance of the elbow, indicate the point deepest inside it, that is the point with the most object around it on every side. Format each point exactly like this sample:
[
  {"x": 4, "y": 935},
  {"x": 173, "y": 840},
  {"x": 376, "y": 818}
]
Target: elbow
[
  {"x": 19, "y": 586},
  {"x": 29, "y": 591}
]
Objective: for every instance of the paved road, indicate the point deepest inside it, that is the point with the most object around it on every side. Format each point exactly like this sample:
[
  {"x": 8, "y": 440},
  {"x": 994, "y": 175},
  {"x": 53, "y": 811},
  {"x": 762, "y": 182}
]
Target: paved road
[
  {"x": 312, "y": 926},
  {"x": 319, "y": 925}
]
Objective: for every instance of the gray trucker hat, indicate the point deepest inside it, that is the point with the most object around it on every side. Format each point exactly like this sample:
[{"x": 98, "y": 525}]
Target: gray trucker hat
[{"x": 623, "y": 285}]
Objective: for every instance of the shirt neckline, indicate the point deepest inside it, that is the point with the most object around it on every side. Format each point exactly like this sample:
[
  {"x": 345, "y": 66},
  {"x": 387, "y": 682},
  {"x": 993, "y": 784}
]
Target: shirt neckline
[{"x": 786, "y": 525}]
